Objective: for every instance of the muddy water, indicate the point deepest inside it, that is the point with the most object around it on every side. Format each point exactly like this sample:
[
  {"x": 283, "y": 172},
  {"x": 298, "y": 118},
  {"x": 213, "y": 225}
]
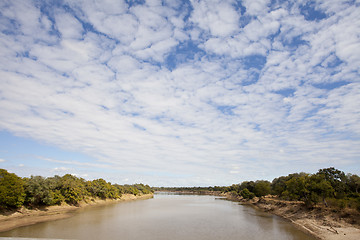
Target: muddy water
[{"x": 166, "y": 217}]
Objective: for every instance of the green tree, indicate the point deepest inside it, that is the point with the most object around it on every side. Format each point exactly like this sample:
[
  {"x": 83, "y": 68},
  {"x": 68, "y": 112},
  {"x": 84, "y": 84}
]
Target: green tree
[
  {"x": 318, "y": 188},
  {"x": 12, "y": 193},
  {"x": 262, "y": 188},
  {"x": 130, "y": 189},
  {"x": 146, "y": 189},
  {"x": 337, "y": 179},
  {"x": 353, "y": 182},
  {"x": 245, "y": 193},
  {"x": 101, "y": 188},
  {"x": 73, "y": 189},
  {"x": 278, "y": 185},
  {"x": 296, "y": 188},
  {"x": 42, "y": 191},
  {"x": 250, "y": 185}
]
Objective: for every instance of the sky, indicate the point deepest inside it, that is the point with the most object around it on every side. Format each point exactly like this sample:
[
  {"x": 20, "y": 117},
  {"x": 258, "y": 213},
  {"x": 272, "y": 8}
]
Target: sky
[{"x": 179, "y": 93}]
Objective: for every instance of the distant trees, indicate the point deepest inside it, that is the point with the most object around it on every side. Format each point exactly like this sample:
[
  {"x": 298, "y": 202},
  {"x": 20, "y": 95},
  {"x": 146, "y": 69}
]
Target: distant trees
[
  {"x": 329, "y": 186},
  {"x": 197, "y": 190},
  {"x": 40, "y": 191},
  {"x": 250, "y": 189}
]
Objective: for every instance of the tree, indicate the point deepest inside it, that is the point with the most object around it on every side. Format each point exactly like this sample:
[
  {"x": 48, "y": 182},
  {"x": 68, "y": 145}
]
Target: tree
[
  {"x": 296, "y": 188},
  {"x": 318, "y": 188},
  {"x": 73, "y": 189},
  {"x": 36, "y": 191},
  {"x": 353, "y": 182},
  {"x": 101, "y": 188},
  {"x": 12, "y": 192},
  {"x": 245, "y": 193},
  {"x": 337, "y": 179},
  {"x": 262, "y": 188},
  {"x": 42, "y": 191},
  {"x": 278, "y": 185},
  {"x": 130, "y": 189},
  {"x": 250, "y": 185}
]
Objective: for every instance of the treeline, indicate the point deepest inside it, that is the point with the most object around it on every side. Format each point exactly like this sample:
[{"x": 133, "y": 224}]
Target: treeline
[
  {"x": 329, "y": 186},
  {"x": 39, "y": 191},
  {"x": 191, "y": 189}
]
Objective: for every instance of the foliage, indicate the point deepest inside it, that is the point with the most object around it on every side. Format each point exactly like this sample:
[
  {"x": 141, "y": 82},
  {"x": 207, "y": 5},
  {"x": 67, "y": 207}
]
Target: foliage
[
  {"x": 12, "y": 193},
  {"x": 318, "y": 188},
  {"x": 295, "y": 188},
  {"x": 245, "y": 193},
  {"x": 197, "y": 190},
  {"x": 329, "y": 186},
  {"x": 73, "y": 189},
  {"x": 39, "y": 191},
  {"x": 337, "y": 180},
  {"x": 102, "y": 189},
  {"x": 42, "y": 191},
  {"x": 353, "y": 181},
  {"x": 262, "y": 188}
]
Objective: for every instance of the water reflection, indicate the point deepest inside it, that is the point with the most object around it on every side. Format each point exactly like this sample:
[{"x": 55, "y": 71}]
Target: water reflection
[{"x": 167, "y": 216}]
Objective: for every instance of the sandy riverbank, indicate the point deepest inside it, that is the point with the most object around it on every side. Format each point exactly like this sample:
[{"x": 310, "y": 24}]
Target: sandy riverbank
[
  {"x": 320, "y": 222},
  {"x": 25, "y": 217}
]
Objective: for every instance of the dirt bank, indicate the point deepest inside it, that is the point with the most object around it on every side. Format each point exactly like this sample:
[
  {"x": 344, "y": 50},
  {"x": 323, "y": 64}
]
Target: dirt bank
[
  {"x": 24, "y": 217},
  {"x": 321, "y": 222}
]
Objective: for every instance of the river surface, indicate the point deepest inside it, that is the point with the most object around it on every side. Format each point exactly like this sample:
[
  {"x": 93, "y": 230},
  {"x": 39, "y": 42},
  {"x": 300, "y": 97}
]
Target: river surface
[{"x": 166, "y": 217}]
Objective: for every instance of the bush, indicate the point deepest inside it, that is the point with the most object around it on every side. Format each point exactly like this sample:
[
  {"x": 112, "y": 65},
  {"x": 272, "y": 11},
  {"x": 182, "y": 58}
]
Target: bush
[
  {"x": 245, "y": 193},
  {"x": 262, "y": 188},
  {"x": 12, "y": 193},
  {"x": 73, "y": 189}
]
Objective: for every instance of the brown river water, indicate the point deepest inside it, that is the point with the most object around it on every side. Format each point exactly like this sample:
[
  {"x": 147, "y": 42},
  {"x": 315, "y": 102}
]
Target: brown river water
[{"x": 167, "y": 217}]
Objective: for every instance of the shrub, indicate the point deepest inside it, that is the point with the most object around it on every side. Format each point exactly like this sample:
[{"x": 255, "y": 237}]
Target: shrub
[{"x": 12, "y": 193}]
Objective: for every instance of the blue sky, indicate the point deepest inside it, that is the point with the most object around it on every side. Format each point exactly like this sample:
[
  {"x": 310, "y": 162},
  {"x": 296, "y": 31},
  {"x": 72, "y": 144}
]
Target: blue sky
[{"x": 179, "y": 93}]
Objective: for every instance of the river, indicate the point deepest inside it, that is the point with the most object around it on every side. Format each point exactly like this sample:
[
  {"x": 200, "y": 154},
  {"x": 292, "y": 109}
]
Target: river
[{"x": 166, "y": 217}]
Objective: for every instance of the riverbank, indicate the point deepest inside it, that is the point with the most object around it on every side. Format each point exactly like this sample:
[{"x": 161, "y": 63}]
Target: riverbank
[
  {"x": 24, "y": 216},
  {"x": 320, "y": 222}
]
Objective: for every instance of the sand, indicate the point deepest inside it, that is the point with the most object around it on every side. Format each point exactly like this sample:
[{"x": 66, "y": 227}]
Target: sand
[{"x": 25, "y": 217}]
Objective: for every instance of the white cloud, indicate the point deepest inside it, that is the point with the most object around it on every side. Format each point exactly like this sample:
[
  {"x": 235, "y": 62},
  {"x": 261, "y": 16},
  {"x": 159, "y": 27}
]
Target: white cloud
[
  {"x": 68, "y": 26},
  {"x": 218, "y": 17},
  {"x": 2, "y": 160},
  {"x": 102, "y": 88},
  {"x": 256, "y": 7},
  {"x": 61, "y": 169}
]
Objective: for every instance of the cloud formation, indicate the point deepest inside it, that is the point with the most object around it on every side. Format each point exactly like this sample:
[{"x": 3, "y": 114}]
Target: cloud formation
[{"x": 185, "y": 92}]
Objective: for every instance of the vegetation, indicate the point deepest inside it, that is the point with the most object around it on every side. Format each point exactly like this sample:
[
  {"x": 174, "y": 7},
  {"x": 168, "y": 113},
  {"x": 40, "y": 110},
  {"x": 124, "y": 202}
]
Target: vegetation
[
  {"x": 329, "y": 186},
  {"x": 39, "y": 191},
  {"x": 197, "y": 190},
  {"x": 12, "y": 192}
]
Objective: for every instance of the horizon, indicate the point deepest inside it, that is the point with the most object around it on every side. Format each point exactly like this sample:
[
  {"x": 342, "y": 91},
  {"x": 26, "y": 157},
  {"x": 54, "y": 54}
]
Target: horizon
[
  {"x": 179, "y": 93},
  {"x": 189, "y": 186}
]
